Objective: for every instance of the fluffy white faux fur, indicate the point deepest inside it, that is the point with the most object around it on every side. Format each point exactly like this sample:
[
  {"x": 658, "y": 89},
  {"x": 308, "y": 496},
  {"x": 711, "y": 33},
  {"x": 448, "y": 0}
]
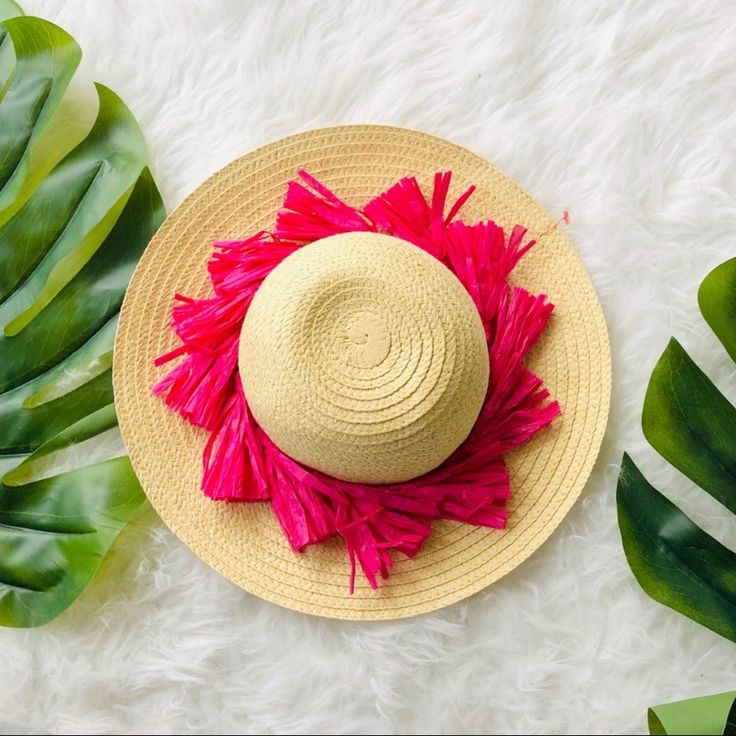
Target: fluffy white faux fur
[{"x": 621, "y": 112}]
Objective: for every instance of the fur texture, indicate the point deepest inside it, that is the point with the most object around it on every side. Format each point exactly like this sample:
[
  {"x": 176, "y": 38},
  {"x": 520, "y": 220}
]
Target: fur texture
[{"x": 621, "y": 112}]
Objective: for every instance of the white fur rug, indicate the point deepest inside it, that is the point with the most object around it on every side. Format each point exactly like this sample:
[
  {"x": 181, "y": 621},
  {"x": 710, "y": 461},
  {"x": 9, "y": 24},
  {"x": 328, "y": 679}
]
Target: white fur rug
[{"x": 621, "y": 112}]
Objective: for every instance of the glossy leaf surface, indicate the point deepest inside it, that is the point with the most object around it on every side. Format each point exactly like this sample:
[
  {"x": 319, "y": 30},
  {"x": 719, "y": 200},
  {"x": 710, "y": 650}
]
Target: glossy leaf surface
[{"x": 67, "y": 251}]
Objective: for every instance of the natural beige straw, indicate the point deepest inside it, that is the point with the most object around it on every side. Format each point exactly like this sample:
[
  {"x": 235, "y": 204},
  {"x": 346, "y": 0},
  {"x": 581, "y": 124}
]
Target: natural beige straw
[
  {"x": 364, "y": 357},
  {"x": 243, "y": 541}
]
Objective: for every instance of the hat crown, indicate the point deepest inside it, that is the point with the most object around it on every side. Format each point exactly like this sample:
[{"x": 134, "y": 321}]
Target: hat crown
[{"x": 363, "y": 357}]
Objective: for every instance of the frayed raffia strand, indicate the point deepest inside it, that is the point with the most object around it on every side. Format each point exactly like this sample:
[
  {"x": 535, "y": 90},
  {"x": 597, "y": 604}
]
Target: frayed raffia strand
[
  {"x": 205, "y": 387},
  {"x": 312, "y": 214},
  {"x": 404, "y": 211},
  {"x": 240, "y": 461}
]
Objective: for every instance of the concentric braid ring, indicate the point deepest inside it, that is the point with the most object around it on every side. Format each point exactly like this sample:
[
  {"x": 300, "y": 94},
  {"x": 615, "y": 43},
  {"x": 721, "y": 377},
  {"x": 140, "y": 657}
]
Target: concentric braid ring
[{"x": 364, "y": 357}]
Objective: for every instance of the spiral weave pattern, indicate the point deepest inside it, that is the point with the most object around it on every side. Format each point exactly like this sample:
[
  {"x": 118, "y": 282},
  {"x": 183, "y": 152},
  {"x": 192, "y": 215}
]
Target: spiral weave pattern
[
  {"x": 244, "y": 542},
  {"x": 364, "y": 357}
]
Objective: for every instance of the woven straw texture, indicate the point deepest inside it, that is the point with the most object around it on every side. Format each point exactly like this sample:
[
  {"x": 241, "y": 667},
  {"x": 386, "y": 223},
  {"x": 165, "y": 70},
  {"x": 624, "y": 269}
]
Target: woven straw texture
[
  {"x": 364, "y": 357},
  {"x": 243, "y": 541}
]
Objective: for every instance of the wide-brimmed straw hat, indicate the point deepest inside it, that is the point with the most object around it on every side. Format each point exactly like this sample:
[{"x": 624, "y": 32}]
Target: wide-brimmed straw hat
[{"x": 363, "y": 358}]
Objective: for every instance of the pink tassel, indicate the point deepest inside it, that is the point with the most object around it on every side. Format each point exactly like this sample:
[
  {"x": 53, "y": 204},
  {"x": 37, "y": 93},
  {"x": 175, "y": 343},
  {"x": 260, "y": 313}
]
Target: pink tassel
[
  {"x": 224, "y": 457},
  {"x": 305, "y": 514},
  {"x": 240, "y": 461},
  {"x": 234, "y": 466},
  {"x": 237, "y": 268},
  {"x": 404, "y": 212},
  {"x": 201, "y": 385},
  {"x": 309, "y": 216}
]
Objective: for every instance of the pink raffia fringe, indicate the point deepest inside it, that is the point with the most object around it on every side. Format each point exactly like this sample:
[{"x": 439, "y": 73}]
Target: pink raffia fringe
[{"x": 240, "y": 461}]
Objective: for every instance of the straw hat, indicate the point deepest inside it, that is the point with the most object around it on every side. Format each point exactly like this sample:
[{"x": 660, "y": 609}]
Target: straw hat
[{"x": 326, "y": 418}]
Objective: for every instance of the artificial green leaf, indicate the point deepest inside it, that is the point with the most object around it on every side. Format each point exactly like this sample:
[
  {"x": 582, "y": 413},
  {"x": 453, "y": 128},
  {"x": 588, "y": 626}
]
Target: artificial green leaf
[
  {"x": 691, "y": 424},
  {"x": 89, "y": 300},
  {"x": 54, "y": 534},
  {"x": 705, "y": 716},
  {"x": 717, "y": 300},
  {"x": 76, "y": 327},
  {"x": 62, "y": 224},
  {"x": 79, "y": 370},
  {"x": 9, "y": 9},
  {"x": 7, "y": 62},
  {"x": 46, "y": 58},
  {"x": 675, "y": 561},
  {"x": 730, "y": 727},
  {"x": 85, "y": 308},
  {"x": 71, "y": 233},
  {"x": 44, "y": 462},
  {"x": 25, "y": 429}
]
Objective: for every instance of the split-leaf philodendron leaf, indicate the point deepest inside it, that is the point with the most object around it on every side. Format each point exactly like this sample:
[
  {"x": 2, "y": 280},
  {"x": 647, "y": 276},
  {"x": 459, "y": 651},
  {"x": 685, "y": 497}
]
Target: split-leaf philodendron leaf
[
  {"x": 68, "y": 245},
  {"x": 693, "y": 426},
  {"x": 712, "y": 714}
]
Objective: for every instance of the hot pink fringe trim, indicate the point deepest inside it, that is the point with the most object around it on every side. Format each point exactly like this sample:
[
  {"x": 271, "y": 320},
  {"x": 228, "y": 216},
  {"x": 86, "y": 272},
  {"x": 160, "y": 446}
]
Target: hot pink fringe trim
[{"x": 240, "y": 461}]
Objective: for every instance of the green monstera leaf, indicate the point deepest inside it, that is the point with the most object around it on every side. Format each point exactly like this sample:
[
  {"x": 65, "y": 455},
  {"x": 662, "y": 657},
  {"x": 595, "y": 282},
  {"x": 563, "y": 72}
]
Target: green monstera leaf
[
  {"x": 711, "y": 714},
  {"x": 69, "y": 241},
  {"x": 693, "y": 426},
  {"x": 8, "y": 9}
]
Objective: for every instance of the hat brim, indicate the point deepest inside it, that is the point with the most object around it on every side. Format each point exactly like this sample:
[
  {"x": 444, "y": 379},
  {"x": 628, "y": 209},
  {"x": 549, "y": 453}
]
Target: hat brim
[{"x": 244, "y": 541}]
